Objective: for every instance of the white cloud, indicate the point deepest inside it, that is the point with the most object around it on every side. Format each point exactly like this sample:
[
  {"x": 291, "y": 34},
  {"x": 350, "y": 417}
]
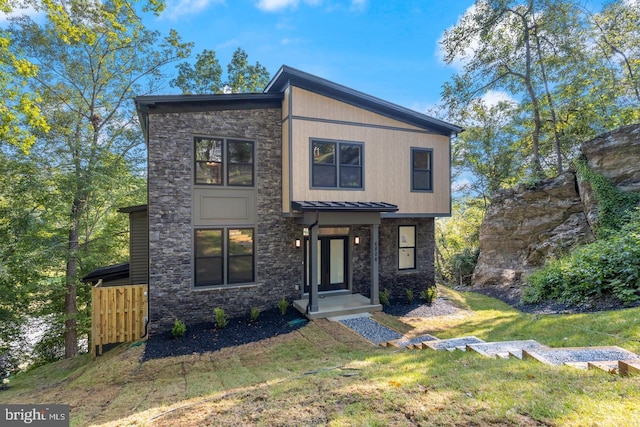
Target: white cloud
[
  {"x": 179, "y": 8},
  {"x": 274, "y": 5},
  {"x": 20, "y": 11},
  {"x": 493, "y": 97},
  {"x": 458, "y": 63},
  {"x": 359, "y": 5}
]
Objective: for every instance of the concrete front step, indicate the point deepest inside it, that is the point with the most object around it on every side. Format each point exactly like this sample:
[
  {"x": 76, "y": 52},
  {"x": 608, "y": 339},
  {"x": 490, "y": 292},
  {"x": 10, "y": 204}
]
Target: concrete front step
[
  {"x": 579, "y": 356},
  {"x": 505, "y": 349}
]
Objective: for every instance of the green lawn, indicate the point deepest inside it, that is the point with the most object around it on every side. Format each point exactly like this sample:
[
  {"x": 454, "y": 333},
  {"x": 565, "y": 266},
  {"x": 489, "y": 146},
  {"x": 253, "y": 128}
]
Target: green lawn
[{"x": 322, "y": 374}]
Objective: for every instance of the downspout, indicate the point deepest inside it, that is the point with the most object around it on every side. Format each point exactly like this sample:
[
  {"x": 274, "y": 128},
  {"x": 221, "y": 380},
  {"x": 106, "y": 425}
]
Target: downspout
[{"x": 312, "y": 261}]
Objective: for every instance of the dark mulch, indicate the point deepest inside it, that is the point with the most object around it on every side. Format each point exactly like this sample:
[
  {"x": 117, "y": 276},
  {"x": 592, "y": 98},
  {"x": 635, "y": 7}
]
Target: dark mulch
[
  {"x": 400, "y": 307},
  {"x": 204, "y": 337}
]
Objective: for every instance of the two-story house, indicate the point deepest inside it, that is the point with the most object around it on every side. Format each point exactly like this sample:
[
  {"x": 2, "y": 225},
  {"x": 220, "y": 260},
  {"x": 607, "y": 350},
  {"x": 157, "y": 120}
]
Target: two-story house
[{"x": 310, "y": 191}]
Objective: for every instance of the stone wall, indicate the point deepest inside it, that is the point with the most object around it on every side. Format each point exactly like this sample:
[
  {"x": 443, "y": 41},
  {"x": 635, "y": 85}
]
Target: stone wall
[
  {"x": 396, "y": 281},
  {"x": 523, "y": 226},
  {"x": 170, "y": 182}
]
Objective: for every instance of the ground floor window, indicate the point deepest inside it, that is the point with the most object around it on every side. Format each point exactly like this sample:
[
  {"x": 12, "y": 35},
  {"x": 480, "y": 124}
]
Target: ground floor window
[
  {"x": 224, "y": 256},
  {"x": 406, "y": 247}
]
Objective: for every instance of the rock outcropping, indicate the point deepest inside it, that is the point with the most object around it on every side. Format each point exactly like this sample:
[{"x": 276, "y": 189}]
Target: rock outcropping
[{"x": 525, "y": 226}]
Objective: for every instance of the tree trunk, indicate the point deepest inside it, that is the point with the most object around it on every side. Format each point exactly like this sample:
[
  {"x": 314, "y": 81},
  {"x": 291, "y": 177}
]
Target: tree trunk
[{"x": 70, "y": 304}]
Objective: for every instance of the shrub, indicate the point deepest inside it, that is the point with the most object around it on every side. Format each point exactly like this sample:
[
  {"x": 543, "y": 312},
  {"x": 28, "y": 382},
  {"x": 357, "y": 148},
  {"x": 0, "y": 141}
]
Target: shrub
[
  {"x": 221, "y": 317},
  {"x": 383, "y": 296},
  {"x": 409, "y": 296},
  {"x": 429, "y": 294},
  {"x": 255, "y": 313},
  {"x": 283, "y": 304},
  {"x": 179, "y": 328},
  {"x": 606, "y": 268}
]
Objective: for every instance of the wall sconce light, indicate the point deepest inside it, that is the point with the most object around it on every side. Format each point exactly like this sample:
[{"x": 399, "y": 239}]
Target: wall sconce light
[
  {"x": 356, "y": 240},
  {"x": 298, "y": 243}
]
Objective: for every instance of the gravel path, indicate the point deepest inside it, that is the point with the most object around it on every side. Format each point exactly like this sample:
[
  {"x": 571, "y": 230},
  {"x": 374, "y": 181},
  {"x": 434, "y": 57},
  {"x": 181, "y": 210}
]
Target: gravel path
[{"x": 371, "y": 330}]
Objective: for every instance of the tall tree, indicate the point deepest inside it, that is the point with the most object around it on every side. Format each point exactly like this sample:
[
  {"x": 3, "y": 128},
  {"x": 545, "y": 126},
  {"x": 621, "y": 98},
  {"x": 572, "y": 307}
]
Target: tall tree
[
  {"x": 205, "y": 76},
  {"x": 88, "y": 53}
]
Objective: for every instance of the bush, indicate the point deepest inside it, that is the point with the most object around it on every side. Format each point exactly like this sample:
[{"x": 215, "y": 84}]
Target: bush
[
  {"x": 179, "y": 328},
  {"x": 429, "y": 295},
  {"x": 221, "y": 317},
  {"x": 383, "y": 296},
  {"x": 283, "y": 304},
  {"x": 409, "y": 296},
  {"x": 254, "y": 314},
  {"x": 606, "y": 268}
]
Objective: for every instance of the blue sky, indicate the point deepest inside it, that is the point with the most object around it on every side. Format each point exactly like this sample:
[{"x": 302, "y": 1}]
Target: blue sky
[{"x": 385, "y": 48}]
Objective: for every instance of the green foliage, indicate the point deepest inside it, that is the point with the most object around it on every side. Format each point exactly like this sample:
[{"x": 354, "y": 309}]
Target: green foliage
[
  {"x": 221, "y": 317},
  {"x": 283, "y": 304},
  {"x": 179, "y": 328},
  {"x": 429, "y": 295},
  {"x": 607, "y": 268},
  {"x": 384, "y": 296},
  {"x": 409, "y": 296},
  {"x": 254, "y": 313},
  {"x": 457, "y": 241},
  {"x": 614, "y": 205},
  {"x": 205, "y": 76}
]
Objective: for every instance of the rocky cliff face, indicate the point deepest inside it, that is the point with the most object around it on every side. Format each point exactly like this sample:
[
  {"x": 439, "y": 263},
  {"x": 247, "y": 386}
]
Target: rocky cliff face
[{"x": 525, "y": 226}]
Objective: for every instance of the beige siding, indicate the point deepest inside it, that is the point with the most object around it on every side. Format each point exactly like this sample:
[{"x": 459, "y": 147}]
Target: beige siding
[
  {"x": 139, "y": 248},
  {"x": 387, "y": 155}
]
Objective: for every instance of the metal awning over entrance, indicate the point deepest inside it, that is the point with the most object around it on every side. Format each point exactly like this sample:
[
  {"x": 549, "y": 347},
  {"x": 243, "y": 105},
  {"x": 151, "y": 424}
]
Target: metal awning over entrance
[
  {"x": 317, "y": 214},
  {"x": 307, "y": 206}
]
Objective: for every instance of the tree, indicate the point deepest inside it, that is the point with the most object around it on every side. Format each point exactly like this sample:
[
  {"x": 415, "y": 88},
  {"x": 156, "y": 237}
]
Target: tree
[
  {"x": 205, "y": 76},
  {"x": 88, "y": 56},
  {"x": 486, "y": 148},
  {"x": 243, "y": 77}
]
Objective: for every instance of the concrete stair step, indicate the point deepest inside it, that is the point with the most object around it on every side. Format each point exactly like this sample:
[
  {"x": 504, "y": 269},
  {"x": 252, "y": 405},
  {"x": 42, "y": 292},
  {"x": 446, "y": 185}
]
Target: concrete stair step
[
  {"x": 505, "y": 349},
  {"x": 451, "y": 344},
  {"x": 629, "y": 367},
  {"x": 578, "y": 356}
]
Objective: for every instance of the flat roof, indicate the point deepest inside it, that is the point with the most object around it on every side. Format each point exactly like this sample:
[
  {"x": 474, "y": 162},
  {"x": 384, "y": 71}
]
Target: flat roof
[{"x": 309, "y": 206}]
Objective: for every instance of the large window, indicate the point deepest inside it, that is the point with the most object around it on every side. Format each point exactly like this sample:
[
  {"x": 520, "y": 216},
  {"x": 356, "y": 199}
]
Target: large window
[
  {"x": 407, "y": 247},
  {"x": 220, "y": 161},
  {"x": 336, "y": 164},
  {"x": 421, "y": 169},
  {"x": 224, "y": 256}
]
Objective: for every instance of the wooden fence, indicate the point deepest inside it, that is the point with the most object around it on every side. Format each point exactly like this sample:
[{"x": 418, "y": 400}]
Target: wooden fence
[{"x": 117, "y": 315}]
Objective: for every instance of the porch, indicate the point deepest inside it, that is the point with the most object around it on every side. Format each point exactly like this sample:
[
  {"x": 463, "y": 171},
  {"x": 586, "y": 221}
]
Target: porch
[{"x": 337, "y": 305}]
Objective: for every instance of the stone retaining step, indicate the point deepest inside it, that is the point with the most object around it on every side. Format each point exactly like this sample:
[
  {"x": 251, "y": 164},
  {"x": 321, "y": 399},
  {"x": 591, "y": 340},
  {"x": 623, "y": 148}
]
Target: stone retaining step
[
  {"x": 629, "y": 367},
  {"x": 410, "y": 343},
  {"x": 451, "y": 344},
  {"x": 578, "y": 356},
  {"x": 505, "y": 349}
]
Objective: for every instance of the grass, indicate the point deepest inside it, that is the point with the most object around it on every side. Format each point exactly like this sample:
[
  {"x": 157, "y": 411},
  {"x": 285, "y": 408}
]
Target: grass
[{"x": 322, "y": 374}]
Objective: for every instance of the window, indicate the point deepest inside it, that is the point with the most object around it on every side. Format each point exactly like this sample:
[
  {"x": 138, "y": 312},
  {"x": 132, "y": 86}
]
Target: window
[
  {"x": 221, "y": 161},
  {"x": 407, "y": 247},
  {"x": 336, "y": 164},
  {"x": 421, "y": 169},
  {"x": 224, "y": 256}
]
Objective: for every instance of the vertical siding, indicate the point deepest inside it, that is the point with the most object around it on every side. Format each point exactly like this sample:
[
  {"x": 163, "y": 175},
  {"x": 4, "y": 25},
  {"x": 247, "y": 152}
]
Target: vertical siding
[{"x": 139, "y": 247}]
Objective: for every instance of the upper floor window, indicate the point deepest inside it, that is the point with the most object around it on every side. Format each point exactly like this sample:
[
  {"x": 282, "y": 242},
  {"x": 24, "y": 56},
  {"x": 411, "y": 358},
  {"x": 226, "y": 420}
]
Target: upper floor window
[
  {"x": 220, "y": 161},
  {"x": 336, "y": 164},
  {"x": 421, "y": 169}
]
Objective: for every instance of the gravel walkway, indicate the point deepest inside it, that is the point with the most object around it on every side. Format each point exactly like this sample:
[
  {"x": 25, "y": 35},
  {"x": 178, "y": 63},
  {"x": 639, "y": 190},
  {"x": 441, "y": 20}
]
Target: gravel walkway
[{"x": 371, "y": 330}]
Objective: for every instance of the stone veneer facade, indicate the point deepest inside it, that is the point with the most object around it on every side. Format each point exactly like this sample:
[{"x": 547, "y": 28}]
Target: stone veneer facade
[
  {"x": 278, "y": 263},
  {"x": 396, "y": 281},
  {"x": 278, "y": 268}
]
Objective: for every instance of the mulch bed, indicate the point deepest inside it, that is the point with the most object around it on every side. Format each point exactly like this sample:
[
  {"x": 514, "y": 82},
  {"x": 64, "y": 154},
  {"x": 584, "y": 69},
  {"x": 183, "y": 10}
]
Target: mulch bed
[{"x": 204, "y": 337}]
